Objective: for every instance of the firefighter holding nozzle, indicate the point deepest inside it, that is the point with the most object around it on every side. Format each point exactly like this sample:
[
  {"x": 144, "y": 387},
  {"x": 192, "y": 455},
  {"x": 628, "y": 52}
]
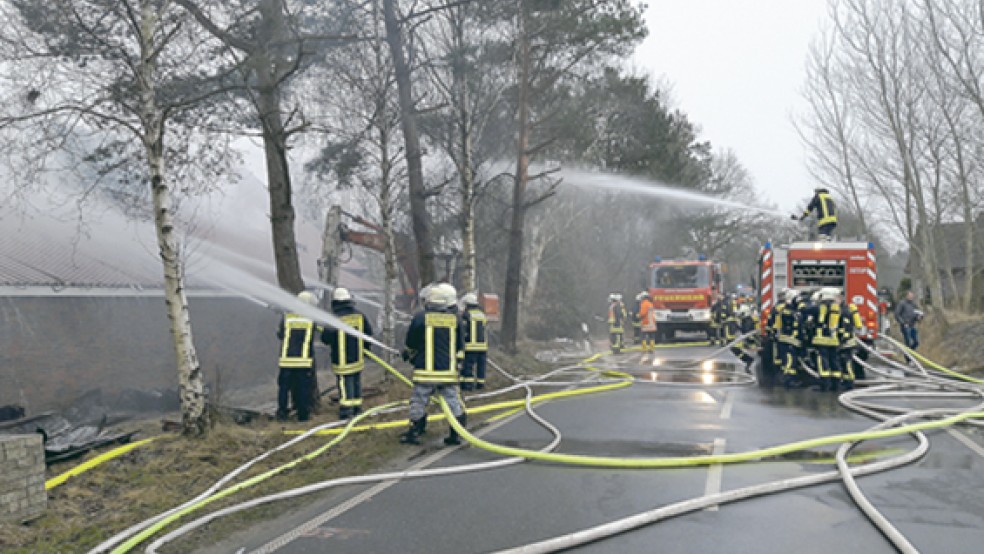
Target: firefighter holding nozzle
[{"x": 823, "y": 204}]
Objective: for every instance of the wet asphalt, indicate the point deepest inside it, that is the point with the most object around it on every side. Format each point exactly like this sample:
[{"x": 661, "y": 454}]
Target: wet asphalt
[{"x": 937, "y": 502}]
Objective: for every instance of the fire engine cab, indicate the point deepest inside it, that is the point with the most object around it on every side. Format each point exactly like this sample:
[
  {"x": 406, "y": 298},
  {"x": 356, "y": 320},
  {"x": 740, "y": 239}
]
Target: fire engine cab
[
  {"x": 849, "y": 266},
  {"x": 683, "y": 292}
]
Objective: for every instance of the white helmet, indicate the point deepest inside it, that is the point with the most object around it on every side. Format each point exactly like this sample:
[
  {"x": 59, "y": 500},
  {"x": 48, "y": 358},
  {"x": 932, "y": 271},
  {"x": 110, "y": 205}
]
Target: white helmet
[
  {"x": 341, "y": 294},
  {"x": 791, "y": 295},
  {"x": 442, "y": 295},
  {"x": 829, "y": 293},
  {"x": 307, "y": 297},
  {"x": 470, "y": 299},
  {"x": 424, "y": 292}
]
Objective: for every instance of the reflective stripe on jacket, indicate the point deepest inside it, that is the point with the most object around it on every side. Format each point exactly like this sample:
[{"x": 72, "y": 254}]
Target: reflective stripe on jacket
[
  {"x": 351, "y": 354},
  {"x": 824, "y": 205},
  {"x": 616, "y": 317},
  {"x": 296, "y": 349},
  {"x": 476, "y": 339},
  {"x": 434, "y": 340},
  {"x": 828, "y": 325}
]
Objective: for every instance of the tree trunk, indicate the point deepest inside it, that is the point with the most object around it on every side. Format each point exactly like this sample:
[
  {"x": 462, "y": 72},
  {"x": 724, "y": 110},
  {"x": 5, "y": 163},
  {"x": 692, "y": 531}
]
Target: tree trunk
[
  {"x": 330, "y": 247},
  {"x": 278, "y": 183},
  {"x": 514, "y": 260},
  {"x": 465, "y": 157},
  {"x": 411, "y": 137},
  {"x": 389, "y": 251},
  {"x": 191, "y": 386}
]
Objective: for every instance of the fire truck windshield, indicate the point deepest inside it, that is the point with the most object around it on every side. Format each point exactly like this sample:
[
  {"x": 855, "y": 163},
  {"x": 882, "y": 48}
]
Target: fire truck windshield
[{"x": 681, "y": 277}]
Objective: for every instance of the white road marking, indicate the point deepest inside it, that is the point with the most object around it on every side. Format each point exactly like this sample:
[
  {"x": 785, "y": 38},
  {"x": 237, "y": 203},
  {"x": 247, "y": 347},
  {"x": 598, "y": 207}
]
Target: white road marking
[
  {"x": 729, "y": 404},
  {"x": 714, "y": 471},
  {"x": 304, "y": 528},
  {"x": 965, "y": 440}
]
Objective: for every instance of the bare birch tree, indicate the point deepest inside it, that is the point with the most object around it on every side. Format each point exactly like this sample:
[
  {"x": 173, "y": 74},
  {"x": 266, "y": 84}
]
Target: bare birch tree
[{"x": 106, "y": 83}]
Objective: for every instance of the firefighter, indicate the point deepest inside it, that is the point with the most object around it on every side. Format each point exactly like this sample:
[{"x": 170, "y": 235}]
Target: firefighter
[
  {"x": 432, "y": 345},
  {"x": 785, "y": 325},
  {"x": 730, "y": 318},
  {"x": 475, "y": 337},
  {"x": 347, "y": 352},
  {"x": 851, "y": 326},
  {"x": 746, "y": 325},
  {"x": 718, "y": 317},
  {"x": 826, "y": 338},
  {"x": 616, "y": 322},
  {"x": 647, "y": 322},
  {"x": 294, "y": 381},
  {"x": 823, "y": 204},
  {"x": 636, "y": 322}
]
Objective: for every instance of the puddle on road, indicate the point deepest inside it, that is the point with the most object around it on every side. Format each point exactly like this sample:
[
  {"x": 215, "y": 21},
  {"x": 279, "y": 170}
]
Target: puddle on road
[{"x": 688, "y": 372}]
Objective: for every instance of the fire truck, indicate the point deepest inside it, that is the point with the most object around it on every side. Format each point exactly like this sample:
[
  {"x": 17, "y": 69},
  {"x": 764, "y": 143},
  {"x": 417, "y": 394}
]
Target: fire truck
[
  {"x": 806, "y": 266},
  {"x": 683, "y": 292}
]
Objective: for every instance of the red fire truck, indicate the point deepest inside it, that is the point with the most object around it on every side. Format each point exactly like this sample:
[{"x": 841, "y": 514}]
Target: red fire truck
[
  {"x": 804, "y": 266},
  {"x": 683, "y": 292}
]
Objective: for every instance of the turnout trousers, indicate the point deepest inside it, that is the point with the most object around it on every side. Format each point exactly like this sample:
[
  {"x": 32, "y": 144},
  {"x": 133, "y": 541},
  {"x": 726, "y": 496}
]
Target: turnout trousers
[
  {"x": 473, "y": 370},
  {"x": 349, "y": 394},
  {"x": 294, "y": 384}
]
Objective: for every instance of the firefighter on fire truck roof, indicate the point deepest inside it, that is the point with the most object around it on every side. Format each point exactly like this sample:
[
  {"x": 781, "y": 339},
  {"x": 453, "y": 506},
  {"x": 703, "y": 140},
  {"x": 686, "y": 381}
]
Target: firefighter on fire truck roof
[{"x": 823, "y": 204}]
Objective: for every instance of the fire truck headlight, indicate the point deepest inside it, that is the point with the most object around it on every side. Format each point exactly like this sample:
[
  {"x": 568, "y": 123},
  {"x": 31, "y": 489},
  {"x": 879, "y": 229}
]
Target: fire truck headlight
[
  {"x": 707, "y": 365},
  {"x": 662, "y": 315},
  {"x": 703, "y": 314}
]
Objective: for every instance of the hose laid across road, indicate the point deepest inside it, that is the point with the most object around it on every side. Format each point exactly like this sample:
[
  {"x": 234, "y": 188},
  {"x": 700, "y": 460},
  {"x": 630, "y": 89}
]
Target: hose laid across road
[{"x": 548, "y": 456}]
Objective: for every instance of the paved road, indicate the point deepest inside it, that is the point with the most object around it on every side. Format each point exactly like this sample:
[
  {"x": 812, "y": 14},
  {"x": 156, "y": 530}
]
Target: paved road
[{"x": 937, "y": 503}]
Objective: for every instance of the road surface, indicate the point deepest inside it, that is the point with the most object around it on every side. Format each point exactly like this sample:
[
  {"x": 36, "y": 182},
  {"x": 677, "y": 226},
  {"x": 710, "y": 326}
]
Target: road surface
[{"x": 937, "y": 503}]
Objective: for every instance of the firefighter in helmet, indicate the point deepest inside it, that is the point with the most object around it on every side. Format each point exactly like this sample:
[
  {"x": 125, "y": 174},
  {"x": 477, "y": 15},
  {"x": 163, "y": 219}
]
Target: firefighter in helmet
[
  {"x": 616, "y": 322},
  {"x": 823, "y": 204},
  {"x": 475, "y": 336},
  {"x": 636, "y": 322},
  {"x": 432, "y": 343},
  {"x": 297, "y": 334},
  {"x": 647, "y": 322},
  {"x": 851, "y": 326},
  {"x": 745, "y": 317},
  {"x": 347, "y": 352},
  {"x": 826, "y": 314},
  {"x": 785, "y": 326}
]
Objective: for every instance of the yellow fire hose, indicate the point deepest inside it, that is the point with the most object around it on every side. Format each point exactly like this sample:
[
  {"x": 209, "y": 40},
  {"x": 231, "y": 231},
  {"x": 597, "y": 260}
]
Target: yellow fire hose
[
  {"x": 105, "y": 457},
  {"x": 146, "y": 533},
  {"x": 572, "y": 459}
]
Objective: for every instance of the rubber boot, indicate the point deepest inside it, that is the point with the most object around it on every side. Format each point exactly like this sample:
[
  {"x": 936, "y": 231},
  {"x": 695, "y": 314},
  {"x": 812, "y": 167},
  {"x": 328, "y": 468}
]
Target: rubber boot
[
  {"x": 416, "y": 429},
  {"x": 453, "y": 439}
]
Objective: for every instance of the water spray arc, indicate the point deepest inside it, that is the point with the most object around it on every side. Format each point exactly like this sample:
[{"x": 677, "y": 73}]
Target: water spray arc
[{"x": 609, "y": 182}]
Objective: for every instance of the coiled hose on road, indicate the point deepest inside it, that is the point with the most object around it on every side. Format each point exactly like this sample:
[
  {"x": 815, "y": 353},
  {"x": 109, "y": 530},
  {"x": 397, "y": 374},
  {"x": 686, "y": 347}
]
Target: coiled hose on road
[{"x": 892, "y": 427}]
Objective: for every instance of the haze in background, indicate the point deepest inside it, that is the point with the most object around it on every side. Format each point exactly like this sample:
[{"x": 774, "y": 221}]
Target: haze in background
[{"x": 736, "y": 70}]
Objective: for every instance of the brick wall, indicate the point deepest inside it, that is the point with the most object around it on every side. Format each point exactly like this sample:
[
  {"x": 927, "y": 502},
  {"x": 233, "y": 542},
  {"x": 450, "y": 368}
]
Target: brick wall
[{"x": 22, "y": 494}]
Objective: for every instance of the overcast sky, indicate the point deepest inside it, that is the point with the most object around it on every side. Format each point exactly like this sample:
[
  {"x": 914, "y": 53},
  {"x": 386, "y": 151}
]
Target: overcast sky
[{"x": 736, "y": 70}]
